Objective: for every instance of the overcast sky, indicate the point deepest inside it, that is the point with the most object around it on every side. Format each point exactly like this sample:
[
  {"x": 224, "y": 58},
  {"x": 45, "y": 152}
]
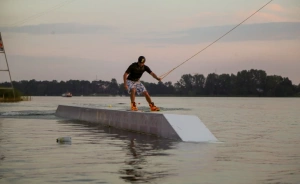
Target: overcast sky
[{"x": 99, "y": 39}]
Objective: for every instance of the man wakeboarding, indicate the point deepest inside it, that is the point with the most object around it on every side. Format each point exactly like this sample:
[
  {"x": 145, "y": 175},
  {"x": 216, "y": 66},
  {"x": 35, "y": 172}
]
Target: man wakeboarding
[{"x": 133, "y": 85}]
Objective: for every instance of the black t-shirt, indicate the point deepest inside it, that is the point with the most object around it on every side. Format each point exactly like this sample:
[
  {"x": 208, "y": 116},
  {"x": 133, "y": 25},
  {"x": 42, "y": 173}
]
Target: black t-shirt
[{"x": 135, "y": 71}]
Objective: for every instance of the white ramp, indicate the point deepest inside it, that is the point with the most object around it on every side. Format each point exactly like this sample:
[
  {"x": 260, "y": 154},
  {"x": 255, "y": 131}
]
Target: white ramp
[
  {"x": 190, "y": 128},
  {"x": 172, "y": 126}
]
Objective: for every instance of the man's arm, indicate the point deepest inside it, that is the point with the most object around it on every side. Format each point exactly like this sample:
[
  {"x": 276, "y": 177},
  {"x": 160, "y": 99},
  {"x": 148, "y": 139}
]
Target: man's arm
[
  {"x": 125, "y": 80},
  {"x": 155, "y": 77}
]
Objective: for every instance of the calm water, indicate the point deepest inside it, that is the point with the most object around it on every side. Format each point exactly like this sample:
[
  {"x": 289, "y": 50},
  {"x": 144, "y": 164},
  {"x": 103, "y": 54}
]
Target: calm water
[{"x": 259, "y": 143}]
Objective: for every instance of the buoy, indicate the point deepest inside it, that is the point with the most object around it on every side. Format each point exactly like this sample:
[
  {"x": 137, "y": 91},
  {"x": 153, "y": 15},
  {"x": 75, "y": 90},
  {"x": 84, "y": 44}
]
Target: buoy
[{"x": 63, "y": 139}]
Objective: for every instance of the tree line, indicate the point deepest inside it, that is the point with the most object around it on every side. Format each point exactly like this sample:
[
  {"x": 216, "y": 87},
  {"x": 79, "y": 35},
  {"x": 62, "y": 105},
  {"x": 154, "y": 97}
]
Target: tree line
[{"x": 246, "y": 83}]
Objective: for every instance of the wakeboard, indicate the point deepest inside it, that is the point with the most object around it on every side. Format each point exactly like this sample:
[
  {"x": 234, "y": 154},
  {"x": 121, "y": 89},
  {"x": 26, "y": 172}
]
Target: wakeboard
[{"x": 142, "y": 110}]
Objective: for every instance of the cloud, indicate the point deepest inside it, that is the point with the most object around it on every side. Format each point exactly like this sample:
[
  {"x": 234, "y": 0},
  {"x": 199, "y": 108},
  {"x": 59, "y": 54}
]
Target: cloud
[
  {"x": 272, "y": 13},
  {"x": 269, "y": 17},
  {"x": 275, "y": 7},
  {"x": 245, "y": 32},
  {"x": 60, "y": 28},
  {"x": 248, "y": 32}
]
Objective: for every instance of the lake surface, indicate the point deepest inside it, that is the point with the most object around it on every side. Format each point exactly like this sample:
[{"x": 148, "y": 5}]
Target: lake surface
[{"x": 259, "y": 142}]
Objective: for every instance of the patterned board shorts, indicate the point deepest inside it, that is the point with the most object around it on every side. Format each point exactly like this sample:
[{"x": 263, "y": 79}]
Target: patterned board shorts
[{"x": 140, "y": 88}]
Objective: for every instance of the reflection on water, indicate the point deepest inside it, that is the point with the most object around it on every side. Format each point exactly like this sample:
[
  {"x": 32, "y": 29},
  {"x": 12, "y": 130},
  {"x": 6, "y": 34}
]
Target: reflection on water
[
  {"x": 138, "y": 150},
  {"x": 137, "y": 163}
]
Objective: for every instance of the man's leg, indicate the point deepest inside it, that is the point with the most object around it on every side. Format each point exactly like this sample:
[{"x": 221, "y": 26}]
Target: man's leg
[
  {"x": 132, "y": 95},
  {"x": 151, "y": 104},
  {"x": 132, "y": 99},
  {"x": 147, "y": 96}
]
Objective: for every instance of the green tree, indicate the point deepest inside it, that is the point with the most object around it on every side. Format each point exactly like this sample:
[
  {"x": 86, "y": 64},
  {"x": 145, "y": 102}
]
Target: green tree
[
  {"x": 199, "y": 82},
  {"x": 190, "y": 85},
  {"x": 185, "y": 84},
  {"x": 242, "y": 83},
  {"x": 285, "y": 88},
  {"x": 272, "y": 82},
  {"x": 224, "y": 84},
  {"x": 113, "y": 87},
  {"x": 211, "y": 84}
]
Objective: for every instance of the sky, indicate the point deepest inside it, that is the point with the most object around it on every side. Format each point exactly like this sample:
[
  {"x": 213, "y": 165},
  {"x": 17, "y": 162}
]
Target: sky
[{"x": 98, "y": 39}]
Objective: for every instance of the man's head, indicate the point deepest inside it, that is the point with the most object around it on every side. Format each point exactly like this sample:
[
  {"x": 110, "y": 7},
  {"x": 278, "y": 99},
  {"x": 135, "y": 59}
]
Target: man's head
[{"x": 142, "y": 60}]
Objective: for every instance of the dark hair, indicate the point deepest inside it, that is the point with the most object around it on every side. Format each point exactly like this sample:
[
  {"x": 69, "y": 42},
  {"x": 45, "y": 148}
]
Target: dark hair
[{"x": 141, "y": 59}]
